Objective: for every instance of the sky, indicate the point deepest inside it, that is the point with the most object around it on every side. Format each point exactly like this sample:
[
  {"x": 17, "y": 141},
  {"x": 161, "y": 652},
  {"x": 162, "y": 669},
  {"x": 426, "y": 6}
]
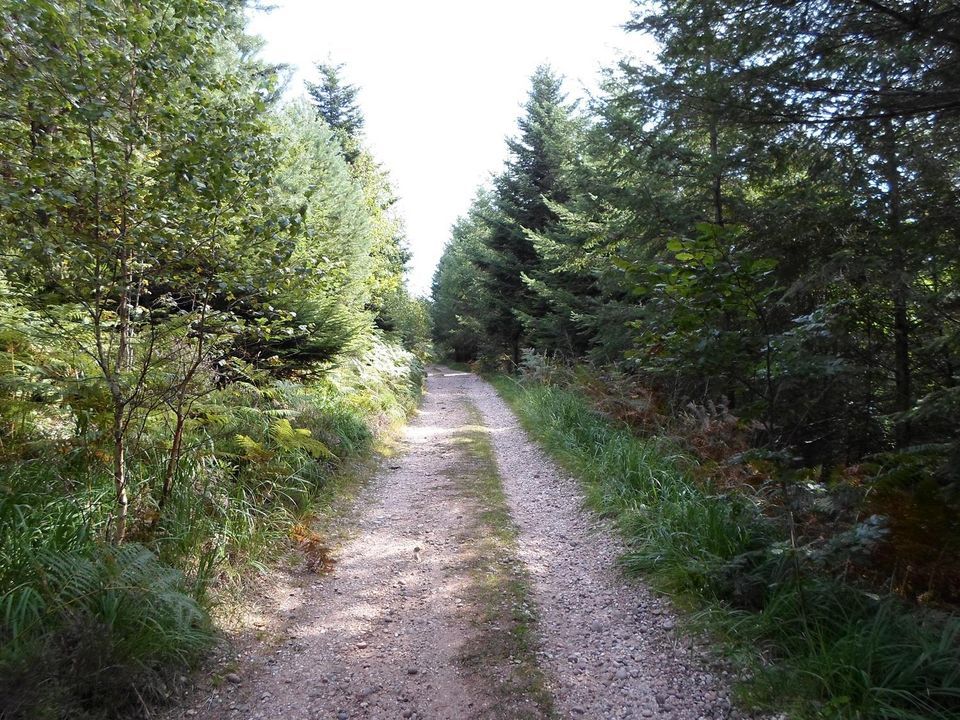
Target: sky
[{"x": 442, "y": 83}]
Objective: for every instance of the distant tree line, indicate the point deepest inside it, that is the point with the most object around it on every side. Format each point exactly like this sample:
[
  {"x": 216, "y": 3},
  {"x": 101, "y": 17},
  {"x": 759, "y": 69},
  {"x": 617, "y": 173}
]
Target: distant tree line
[{"x": 765, "y": 218}]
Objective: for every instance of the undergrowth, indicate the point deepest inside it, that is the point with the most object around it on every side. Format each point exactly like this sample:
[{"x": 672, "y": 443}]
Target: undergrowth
[
  {"x": 812, "y": 644},
  {"x": 90, "y": 629}
]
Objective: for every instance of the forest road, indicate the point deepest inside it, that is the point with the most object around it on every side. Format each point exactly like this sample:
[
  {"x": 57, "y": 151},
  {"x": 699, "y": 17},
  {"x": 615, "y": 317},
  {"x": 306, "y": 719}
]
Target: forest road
[{"x": 448, "y": 603}]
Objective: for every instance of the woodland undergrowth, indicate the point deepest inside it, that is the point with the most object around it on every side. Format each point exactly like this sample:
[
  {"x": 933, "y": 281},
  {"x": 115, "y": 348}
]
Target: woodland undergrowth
[
  {"x": 770, "y": 565},
  {"x": 95, "y": 629}
]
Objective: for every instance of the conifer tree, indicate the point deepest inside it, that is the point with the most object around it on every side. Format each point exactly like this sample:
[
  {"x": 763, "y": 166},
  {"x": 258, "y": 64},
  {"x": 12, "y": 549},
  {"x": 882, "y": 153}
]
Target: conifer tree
[
  {"x": 458, "y": 289},
  {"x": 336, "y": 102},
  {"x": 534, "y": 177}
]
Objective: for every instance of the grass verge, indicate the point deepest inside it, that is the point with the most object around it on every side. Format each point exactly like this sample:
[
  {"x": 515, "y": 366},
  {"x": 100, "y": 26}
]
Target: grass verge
[
  {"x": 503, "y": 651},
  {"x": 811, "y": 645},
  {"x": 92, "y": 630}
]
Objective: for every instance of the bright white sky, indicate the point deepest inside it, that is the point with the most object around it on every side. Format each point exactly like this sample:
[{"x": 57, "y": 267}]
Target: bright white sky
[{"x": 442, "y": 83}]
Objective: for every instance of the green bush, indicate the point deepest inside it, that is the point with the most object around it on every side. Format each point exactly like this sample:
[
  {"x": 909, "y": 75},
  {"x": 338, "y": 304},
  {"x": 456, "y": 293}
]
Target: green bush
[{"x": 266, "y": 455}]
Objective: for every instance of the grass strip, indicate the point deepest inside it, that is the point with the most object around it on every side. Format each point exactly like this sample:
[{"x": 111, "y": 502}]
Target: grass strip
[{"x": 503, "y": 651}]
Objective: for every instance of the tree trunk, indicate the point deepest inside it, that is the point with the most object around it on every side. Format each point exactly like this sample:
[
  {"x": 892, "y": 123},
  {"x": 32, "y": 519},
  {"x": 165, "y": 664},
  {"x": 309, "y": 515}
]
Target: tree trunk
[
  {"x": 902, "y": 369},
  {"x": 717, "y": 184},
  {"x": 903, "y": 392},
  {"x": 123, "y": 363},
  {"x": 124, "y": 329},
  {"x": 120, "y": 475},
  {"x": 717, "y": 174}
]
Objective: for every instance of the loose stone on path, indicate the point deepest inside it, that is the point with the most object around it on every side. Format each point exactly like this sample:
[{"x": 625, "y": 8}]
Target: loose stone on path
[{"x": 382, "y": 636}]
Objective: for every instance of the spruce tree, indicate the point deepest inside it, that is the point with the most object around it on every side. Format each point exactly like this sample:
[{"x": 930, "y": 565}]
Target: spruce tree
[
  {"x": 336, "y": 102},
  {"x": 458, "y": 289},
  {"x": 389, "y": 301},
  {"x": 534, "y": 177}
]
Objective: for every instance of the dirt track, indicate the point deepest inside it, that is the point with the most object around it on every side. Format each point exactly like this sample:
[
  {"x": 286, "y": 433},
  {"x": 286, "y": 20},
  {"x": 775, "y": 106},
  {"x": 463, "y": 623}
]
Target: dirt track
[{"x": 447, "y": 602}]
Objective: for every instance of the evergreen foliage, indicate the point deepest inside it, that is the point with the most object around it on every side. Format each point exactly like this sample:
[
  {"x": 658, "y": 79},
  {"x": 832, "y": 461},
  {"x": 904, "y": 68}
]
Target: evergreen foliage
[
  {"x": 533, "y": 177},
  {"x": 336, "y": 103},
  {"x": 750, "y": 243},
  {"x": 762, "y": 219},
  {"x": 393, "y": 309},
  {"x": 193, "y": 277}
]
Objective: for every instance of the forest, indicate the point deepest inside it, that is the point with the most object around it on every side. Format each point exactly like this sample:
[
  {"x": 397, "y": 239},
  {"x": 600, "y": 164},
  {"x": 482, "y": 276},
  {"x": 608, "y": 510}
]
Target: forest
[
  {"x": 204, "y": 327},
  {"x": 723, "y": 292},
  {"x": 745, "y": 253}
]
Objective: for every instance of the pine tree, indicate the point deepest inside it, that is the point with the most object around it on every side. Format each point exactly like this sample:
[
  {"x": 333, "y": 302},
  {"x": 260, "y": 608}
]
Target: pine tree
[
  {"x": 458, "y": 289},
  {"x": 534, "y": 177},
  {"x": 336, "y": 102},
  {"x": 389, "y": 301}
]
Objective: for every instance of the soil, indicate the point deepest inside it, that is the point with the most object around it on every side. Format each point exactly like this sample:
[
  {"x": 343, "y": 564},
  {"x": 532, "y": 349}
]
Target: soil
[{"x": 472, "y": 584}]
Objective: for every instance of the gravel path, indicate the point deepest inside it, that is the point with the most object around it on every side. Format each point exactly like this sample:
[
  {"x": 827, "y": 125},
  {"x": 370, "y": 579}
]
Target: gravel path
[
  {"x": 608, "y": 646},
  {"x": 383, "y": 635}
]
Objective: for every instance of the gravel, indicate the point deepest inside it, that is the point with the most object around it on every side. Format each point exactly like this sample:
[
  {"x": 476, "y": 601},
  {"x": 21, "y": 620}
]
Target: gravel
[
  {"x": 627, "y": 661},
  {"x": 381, "y": 636}
]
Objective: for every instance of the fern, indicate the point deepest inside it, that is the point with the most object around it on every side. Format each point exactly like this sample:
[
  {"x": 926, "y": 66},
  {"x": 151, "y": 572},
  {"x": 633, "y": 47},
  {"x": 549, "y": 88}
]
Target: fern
[
  {"x": 252, "y": 450},
  {"x": 290, "y": 438},
  {"x": 115, "y": 622}
]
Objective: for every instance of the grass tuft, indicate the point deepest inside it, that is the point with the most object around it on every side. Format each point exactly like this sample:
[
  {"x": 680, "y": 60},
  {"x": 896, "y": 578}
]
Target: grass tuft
[{"x": 503, "y": 652}]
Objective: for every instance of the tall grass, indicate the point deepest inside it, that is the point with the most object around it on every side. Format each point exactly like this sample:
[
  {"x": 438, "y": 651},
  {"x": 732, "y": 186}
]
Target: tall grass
[
  {"x": 92, "y": 630},
  {"x": 86, "y": 629},
  {"x": 812, "y": 644}
]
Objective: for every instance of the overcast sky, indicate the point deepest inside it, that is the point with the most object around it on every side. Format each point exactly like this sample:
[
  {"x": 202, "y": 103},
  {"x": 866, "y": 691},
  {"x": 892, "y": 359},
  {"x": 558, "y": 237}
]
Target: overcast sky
[{"x": 442, "y": 83}]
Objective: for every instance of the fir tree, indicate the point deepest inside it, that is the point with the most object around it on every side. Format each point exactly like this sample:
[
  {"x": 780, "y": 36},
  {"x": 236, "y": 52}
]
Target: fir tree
[
  {"x": 534, "y": 177},
  {"x": 336, "y": 102}
]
